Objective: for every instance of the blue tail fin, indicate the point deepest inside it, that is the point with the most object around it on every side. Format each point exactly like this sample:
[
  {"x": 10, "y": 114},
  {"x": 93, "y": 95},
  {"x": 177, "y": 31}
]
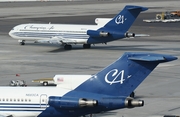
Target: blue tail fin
[
  {"x": 124, "y": 75},
  {"x": 123, "y": 21},
  {"x": 117, "y": 27}
]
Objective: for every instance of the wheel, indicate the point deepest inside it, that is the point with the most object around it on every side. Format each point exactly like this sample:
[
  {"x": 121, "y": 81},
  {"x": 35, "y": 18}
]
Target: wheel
[
  {"x": 86, "y": 46},
  {"x": 21, "y": 42},
  {"x": 158, "y": 17},
  {"x": 45, "y": 83},
  {"x": 12, "y": 83},
  {"x": 172, "y": 15},
  {"x": 67, "y": 47}
]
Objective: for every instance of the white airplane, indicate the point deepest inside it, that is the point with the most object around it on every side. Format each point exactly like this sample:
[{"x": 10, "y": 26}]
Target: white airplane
[
  {"x": 67, "y": 34},
  {"x": 107, "y": 90}
]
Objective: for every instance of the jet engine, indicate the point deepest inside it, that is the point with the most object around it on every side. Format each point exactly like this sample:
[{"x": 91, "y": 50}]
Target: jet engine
[
  {"x": 119, "y": 102},
  {"x": 67, "y": 103},
  {"x": 131, "y": 103},
  {"x": 129, "y": 35},
  {"x": 94, "y": 33}
]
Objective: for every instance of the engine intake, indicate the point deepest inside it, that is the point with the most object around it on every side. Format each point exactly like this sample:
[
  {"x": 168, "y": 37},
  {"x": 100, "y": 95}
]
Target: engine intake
[
  {"x": 94, "y": 33},
  {"x": 66, "y": 102},
  {"x": 103, "y": 34},
  {"x": 131, "y": 103},
  {"x": 87, "y": 103}
]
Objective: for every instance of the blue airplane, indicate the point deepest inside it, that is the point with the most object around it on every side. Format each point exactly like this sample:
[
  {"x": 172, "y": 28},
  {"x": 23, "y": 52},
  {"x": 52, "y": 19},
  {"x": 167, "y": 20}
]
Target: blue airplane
[
  {"x": 67, "y": 34},
  {"x": 107, "y": 90}
]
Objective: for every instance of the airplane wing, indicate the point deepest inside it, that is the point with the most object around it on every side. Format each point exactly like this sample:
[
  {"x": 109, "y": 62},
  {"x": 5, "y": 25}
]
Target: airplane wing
[
  {"x": 6, "y": 115},
  {"x": 57, "y": 40}
]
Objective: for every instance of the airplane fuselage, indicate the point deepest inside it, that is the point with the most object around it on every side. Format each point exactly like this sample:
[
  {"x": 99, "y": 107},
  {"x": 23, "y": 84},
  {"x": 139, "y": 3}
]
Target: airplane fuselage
[
  {"x": 26, "y": 101},
  {"x": 32, "y": 32},
  {"x": 44, "y": 102}
]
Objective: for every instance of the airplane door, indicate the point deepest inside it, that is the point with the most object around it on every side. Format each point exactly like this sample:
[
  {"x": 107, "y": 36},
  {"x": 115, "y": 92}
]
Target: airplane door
[{"x": 43, "y": 101}]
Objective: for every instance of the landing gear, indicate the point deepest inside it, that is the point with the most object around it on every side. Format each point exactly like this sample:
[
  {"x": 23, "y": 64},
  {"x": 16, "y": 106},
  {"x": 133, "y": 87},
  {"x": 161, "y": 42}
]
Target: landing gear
[
  {"x": 86, "y": 46},
  {"x": 67, "y": 47},
  {"x": 21, "y": 42}
]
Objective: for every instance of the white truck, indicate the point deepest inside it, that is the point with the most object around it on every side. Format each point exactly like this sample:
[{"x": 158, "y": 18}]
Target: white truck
[
  {"x": 44, "y": 81},
  {"x": 62, "y": 79}
]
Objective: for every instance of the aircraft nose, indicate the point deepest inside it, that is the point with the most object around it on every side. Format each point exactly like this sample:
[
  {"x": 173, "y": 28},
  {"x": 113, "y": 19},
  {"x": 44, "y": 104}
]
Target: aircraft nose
[{"x": 10, "y": 33}]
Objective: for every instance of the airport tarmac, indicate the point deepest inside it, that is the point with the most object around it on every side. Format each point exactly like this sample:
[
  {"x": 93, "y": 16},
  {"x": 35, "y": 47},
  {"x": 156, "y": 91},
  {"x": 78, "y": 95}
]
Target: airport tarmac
[{"x": 160, "y": 90}]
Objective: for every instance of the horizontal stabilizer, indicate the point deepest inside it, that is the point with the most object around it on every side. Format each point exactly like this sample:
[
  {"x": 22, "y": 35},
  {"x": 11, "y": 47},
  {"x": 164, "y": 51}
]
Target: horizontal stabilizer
[
  {"x": 147, "y": 58},
  {"x": 152, "y": 57},
  {"x": 129, "y": 7}
]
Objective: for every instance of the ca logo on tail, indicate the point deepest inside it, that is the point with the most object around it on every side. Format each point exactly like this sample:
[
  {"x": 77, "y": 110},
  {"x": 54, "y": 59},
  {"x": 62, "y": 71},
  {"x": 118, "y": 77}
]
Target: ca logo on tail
[
  {"x": 120, "y": 19},
  {"x": 118, "y": 76}
]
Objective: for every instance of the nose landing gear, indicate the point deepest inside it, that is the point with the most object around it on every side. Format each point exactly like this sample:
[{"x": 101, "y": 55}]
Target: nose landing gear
[{"x": 21, "y": 42}]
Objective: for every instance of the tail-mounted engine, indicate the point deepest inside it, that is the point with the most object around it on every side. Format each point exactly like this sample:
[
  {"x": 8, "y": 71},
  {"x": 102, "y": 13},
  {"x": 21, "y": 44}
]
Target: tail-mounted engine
[
  {"x": 119, "y": 102},
  {"x": 94, "y": 33},
  {"x": 128, "y": 35},
  {"x": 66, "y": 102},
  {"x": 97, "y": 33},
  {"x": 131, "y": 103}
]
